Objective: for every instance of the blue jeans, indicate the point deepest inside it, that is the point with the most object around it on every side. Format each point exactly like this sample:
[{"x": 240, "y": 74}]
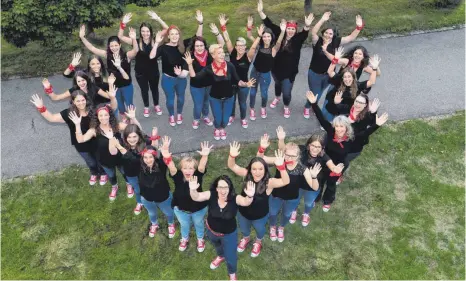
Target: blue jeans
[
  {"x": 165, "y": 207},
  {"x": 111, "y": 173},
  {"x": 241, "y": 93},
  {"x": 201, "y": 101},
  {"x": 221, "y": 109},
  {"x": 284, "y": 86},
  {"x": 259, "y": 226},
  {"x": 185, "y": 222},
  {"x": 172, "y": 86},
  {"x": 225, "y": 246},
  {"x": 134, "y": 181},
  {"x": 309, "y": 198},
  {"x": 91, "y": 161},
  {"x": 124, "y": 97},
  {"x": 263, "y": 80},
  {"x": 317, "y": 84},
  {"x": 287, "y": 206},
  {"x": 329, "y": 116}
]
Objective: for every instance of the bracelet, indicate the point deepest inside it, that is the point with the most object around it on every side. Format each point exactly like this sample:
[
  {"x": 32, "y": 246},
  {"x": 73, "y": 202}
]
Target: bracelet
[
  {"x": 375, "y": 69},
  {"x": 334, "y": 61},
  {"x": 360, "y": 27},
  {"x": 249, "y": 28},
  {"x": 167, "y": 160},
  {"x": 250, "y": 197},
  {"x": 261, "y": 149},
  {"x": 122, "y": 25},
  {"x": 71, "y": 67},
  {"x": 313, "y": 178},
  {"x": 217, "y": 34},
  {"x": 232, "y": 156},
  {"x": 48, "y": 90},
  {"x": 154, "y": 138},
  {"x": 282, "y": 167},
  {"x": 201, "y": 23},
  {"x": 223, "y": 28},
  {"x": 42, "y": 109}
]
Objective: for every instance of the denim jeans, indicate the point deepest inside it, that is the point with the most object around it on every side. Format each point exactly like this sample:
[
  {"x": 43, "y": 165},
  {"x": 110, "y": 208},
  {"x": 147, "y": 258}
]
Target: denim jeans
[
  {"x": 225, "y": 246},
  {"x": 111, "y": 173},
  {"x": 221, "y": 109},
  {"x": 146, "y": 80},
  {"x": 134, "y": 181},
  {"x": 329, "y": 116},
  {"x": 283, "y": 86},
  {"x": 317, "y": 84},
  {"x": 259, "y": 226},
  {"x": 124, "y": 97},
  {"x": 174, "y": 86},
  {"x": 91, "y": 161},
  {"x": 241, "y": 93},
  {"x": 309, "y": 198},
  {"x": 263, "y": 81},
  {"x": 185, "y": 219},
  {"x": 287, "y": 206},
  {"x": 201, "y": 101},
  {"x": 165, "y": 207}
]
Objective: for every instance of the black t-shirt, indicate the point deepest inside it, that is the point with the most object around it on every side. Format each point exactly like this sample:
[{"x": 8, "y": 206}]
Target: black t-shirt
[
  {"x": 320, "y": 62},
  {"x": 154, "y": 185},
  {"x": 125, "y": 64},
  {"x": 198, "y": 68},
  {"x": 264, "y": 60},
  {"x": 346, "y": 102},
  {"x": 103, "y": 153},
  {"x": 171, "y": 57},
  {"x": 85, "y": 122},
  {"x": 99, "y": 82},
  {"x": 259, "y": 207},
  {"x": 221, "y": 85},
  {"x": 181, "y": 197},
  {"x": 241, "y": 65},
  {"x": 309, "y": 161},
  {"x": 93, "y": 94},
  {"x": 144, "y": 64},
  {"x": 291, "y": 190},
  {"x": 131, "y": 161},
  {"x": 359, "y": 127},
  {"x": 222, "y": 220}
]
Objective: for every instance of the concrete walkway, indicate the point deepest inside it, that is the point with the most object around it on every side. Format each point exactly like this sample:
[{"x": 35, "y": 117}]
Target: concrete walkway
[{"x": 422, "y": 75}]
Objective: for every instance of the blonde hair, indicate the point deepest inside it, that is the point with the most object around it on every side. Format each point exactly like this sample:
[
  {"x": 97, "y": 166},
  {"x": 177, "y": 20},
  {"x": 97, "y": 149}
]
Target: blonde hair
[
  {"x": 343, "y": 120},
  {"x": 293, "y": 146},
  {"x": 241, "y": 40},
  {"x": 188, "y": 160},
  {"x": 214, "y": 48}
]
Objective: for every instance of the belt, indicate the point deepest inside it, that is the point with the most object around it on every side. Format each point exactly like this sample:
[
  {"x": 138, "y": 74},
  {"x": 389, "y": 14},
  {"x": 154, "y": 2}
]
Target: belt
[{"x": 218, "y": 234}]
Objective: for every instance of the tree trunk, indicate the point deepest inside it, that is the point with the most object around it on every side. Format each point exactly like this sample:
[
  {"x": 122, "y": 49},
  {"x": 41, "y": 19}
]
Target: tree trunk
[{"x": 307, "y": 7}]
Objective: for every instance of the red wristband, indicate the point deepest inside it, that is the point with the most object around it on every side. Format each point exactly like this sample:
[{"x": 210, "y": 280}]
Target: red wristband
[
  {"x": 71, "y": 67},
  {"x": 232, "y": 156},
  {"x": 332, "y": 174},
  {"x": 360, "y": 27},
  {"x": 282, "y": 167},
  {"x": 223, "y": 28},
  {"x": 42, "y": 109},
  {"x": 261, "y": 149},
  {"x": 167, "y": 160},
  {"x": 334, "y": 61},
  {"x": 48, "y": 90},
  {"x": 153, "y": 138},
  {"x": 249, "y": 28},
  {"x": 122, "y": 25}
]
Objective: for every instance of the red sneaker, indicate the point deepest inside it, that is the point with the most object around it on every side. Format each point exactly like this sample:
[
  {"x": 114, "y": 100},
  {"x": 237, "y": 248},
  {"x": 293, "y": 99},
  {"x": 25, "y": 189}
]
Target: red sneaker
[
  {"x": 171, "y": 121},
  {"x": 263, "y": 112},
  {"x": 183, "y": 244},
  {"x": 294, "y": 214},
  {"x": 200, "y": 245},
  {"x": 195, "y": 124},
  {"x": 103, "y": 179},
  {"x": 92, "y": 179},
  {"x": 179, "y": 119},
  {"x": 113, "y": 193},
  {"x": 158, "y": 110},
  {"x": 273, "y": 233},
  {"x": 138, "y": 209},
  {"x": 171, "y": 230},
  {"x": 256, "y": 249},
  {"x": 326, "y": 208},
  {"x": 244, "y": 123},
  {"x": 216, "y": 262},
  {"x": 281, "y": 234},
  {"x": 306, "y": 113},
  {"x": 223, "y": 134},
  {"x": 242, "y": 244},
  {"x": 153, "y": 230},
  {"x": 274, "y": 103},
  {"x": 232, "y": 277},
  {"x": 340, "y": 180},
  {"x": 207, "y": 121},
  {"x": 230, "y": 120},
  {"x": 146, "y": 112},
  {"x": 217, "y": 134},
  {"x": 130, "y": 190},
  {"x": 286, "y": 112},
  {"x": 306, "y": 220},
  {"x": 252, "y": 114}
]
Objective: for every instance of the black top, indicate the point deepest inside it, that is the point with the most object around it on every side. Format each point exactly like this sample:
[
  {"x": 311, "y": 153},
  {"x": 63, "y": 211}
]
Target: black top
[
  {"x": 171, "y": 57},
  {"x": 346, "y": 102},
  {"x": 336, "y": 80},
  {"x": 221, "y": 85},
  {"x": 85, "y": 121},
  {"x": 291, "y": 190},
  {"x": 309, "y": 161},
  {"x": 359, "y": 127},
  {"x": 144, "y": 64},
  {"x": 93, "y": 94},
  {"x": 320, "y": 62},
  {"x": 264, "y": 60},
  {"x": 131, "y": 161},
  {"x": 154, "y": 185},
  {"x": 198, "y": 68},
  {"x": 126, "y": 65},
  {"x": 241, "y": 65},
  {"x": 103, "y": 153},
  {"x": 99, "y": 82},
  {"x": 259, "y": 207},
  {"x": 222, "y": 220},
  {"x": 287, "y": 58},
  {"x": 181, "y": 197}
]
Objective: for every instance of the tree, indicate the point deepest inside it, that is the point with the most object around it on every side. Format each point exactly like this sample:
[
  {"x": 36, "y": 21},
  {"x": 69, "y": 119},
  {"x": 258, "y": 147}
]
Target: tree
[
  {"x": 53, "y": 22},
  {"x": 307, "y": 7}
]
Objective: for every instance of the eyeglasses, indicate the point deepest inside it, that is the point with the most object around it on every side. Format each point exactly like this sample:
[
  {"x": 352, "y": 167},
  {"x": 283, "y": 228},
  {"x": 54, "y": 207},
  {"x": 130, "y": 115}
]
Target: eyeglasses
[
  {"x": 240, "y": 45},
  {"x": 291, "y": 156},
  {"x": 198, "y": 46},
  {"x": 360, "y": 102},
  {"x": 316, "y": 147},
  {"x": 223, "y": 186}
]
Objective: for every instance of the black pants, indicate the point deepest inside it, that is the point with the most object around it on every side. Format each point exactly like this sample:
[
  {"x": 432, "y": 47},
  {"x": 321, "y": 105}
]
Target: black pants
[
  {"x": 350, "y": 157},
  {"x": 327, "y": 194},
  {"x": 146, "y": 80}
]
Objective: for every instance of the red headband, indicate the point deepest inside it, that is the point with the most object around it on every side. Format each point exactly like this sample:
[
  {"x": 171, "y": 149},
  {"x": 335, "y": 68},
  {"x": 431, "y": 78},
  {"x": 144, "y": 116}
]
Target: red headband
[
  {"x": 171, "y": 27},
  {"x": 105, "y": 107},
  {"x": 292, "y": 24},
  {"x": 151, "y": 151}
]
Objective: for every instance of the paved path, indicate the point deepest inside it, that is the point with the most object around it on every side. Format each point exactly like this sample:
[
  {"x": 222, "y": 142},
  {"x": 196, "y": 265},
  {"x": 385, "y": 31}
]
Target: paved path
[{"x": 422, "y": 75}]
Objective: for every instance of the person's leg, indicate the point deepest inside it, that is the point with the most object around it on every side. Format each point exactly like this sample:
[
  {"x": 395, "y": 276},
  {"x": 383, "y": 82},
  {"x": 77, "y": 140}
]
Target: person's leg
[
  {"x": 154, "y": 87},
  {"x": 329, "y": 194},
  {"x": 143, "y": 83},
  {"x": 278, "y": 87},
  {"x": 229, "y": 247},
  {"x": 259, "y": 226},
  {"x": 288, "y": 208},
  {"x": 168, "y": 86},
  {"x": 91, "y": 162},
  {"x": 121, "y": 102},
  {"x": 243, "y": 93},
  {"x": 166, "y": 208},
  {"x": 111, "y": 173},
  {"x": 235, "y": 90},
  {"x": 227, "y": 107},
  {"x": 329, "y": 116},
  {"x": 315, "y": 85},
  {"x": 275, "y": 205},
  {"x": 185, "y": 222},
  {"x": 134, "y": 181},
  {"x": 205, "y": 104},
  {"x": 252, "y": 94},
  {"x": 180, "y": 88},
  {"x": 309, "y": 198},
  {"x": 216, "y": 107},
  {"x": 287, "y": 87},
  {"x": 198, "y": 221},
  {"x": 128, "y": 93},
  {"x": 151, "y": 208},
  {"x": 217, "y": 242},
  {"x": 244, "y": 225},
  {"x": 326, "y": 86},
  {"x": 198, "y": 100},
  {"x": 265, "y": 81}
]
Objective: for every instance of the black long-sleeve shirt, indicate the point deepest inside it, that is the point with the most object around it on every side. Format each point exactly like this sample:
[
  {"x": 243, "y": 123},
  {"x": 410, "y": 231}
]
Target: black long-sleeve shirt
[{"x": 221, "y": 85}]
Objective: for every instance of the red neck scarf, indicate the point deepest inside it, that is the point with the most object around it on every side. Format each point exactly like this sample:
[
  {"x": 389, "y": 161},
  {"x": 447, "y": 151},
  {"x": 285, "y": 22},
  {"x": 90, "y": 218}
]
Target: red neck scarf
[
  {"x": 339, "y": 141},
  {"x": 354, "y": 65},
  {"x": 201, "y": 58},
  {"x": 289, "y": 162},
  {"x": 352, "y": 116},
  {"x": 219, "y": 68}
]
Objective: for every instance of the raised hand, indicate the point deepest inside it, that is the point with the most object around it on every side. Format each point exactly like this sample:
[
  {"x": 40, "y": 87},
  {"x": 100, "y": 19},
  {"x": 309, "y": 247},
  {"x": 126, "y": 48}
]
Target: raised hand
[
  {"x": 213, "y": 28},
  {"x": 283, "y": 25},
  {"x": 251, "y": 82},
  {"x": 112, "y": 90},
  {"x": 166, "y": 141},
  {"x": 37, "y": 100},
  {"x": 199, "y": 17},
  {"x": 326, "y": 16},
  {"x": 311, "y": 97},
  {"x": 193, "y": 184},
  {"x": 374, "y": 105},
  {"x": 382, "y": 119},
  {"x": 281, "y": 135},
  {"x": 222, "y": 18},
  {"x": 205, "y": 148},
  {"x": 338, "y": 97},
  {"x": 74, "y": 118},
  {"x": 338, "y": 168},
  {"x": 177, "y": 70},
  {"x": 339, "y": 52},
  {"x": 309, "y": 19},
  {"x": 250, "y": 189},
  {"x": 234, "y": 149},
  {"x": 82, "y": 31},
  {"x": 315, "y": 170},
  {"x": 116, "y": 61},
  {"x": 155, "y": 131},
  {"x": 132, "y": 33},
  {"x": 359, "y": 21},
  {"x": 159, "y": 37},
  {"x": 111, "y": 79},
  {"x": 46, "y": 83},
  {"x": 260, "y": 6},
  {"x": 260, "y": 30},
  {"x": 187, "y": 57},
  {"x": 374, "y": 61},
  {"x": 114, "y": 142},
  {"x": 153, "y": 15},
  {"x": 76, "y": 59},
  {"x": 127, "y": 18},
  {"x": 131, "y": 111},
  {"x": 265, "y": 141},
  {"x": 279, "y": 157},
  {"x": 250, "y": 21}
]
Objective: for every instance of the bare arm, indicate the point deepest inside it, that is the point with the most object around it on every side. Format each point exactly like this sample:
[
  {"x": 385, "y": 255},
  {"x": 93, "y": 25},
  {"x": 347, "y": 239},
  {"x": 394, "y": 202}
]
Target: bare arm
[
  {"x": 134, "y": 51},
  {"x": 234, "y": 152},
  {"x": 199, "y": 196},
  {"x": 53, "y": 118},
  {"x": 244, "y": 200},
  {"x": 355, "y": 33},
  {"x": 278, "y": 44},
  {"x": 317, "y": 27},
  {"x": 89, "y": 46},
  {"x": 252, "y": 50}
]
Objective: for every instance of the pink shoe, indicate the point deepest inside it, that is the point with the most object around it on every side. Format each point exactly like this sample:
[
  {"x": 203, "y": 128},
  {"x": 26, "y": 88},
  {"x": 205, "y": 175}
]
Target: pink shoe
[
  {"x": 306, "y": 113},
  {"x": 103, "y": 179},
  {"x": 157, "y": 110},
  {"x": 326, "y": 208},
  {"x": 223, "y": 134},
  {"x": 216, "y": 262},
  {"x": 171, "y": 230},
  {"x": 138, "y": 209},
  {"x": 274, "y": 103},
  {"x": 195, "y": 124},
  {"x": 263, "y": 112},
  {"x": 232, "y": 277},
  {"x": 179, "y": 119},
  {"x": 113, "y": 193},
  {"x": 281, "y": 234},
  {"x": 217, "y": 134},
  {"x": 92, "y": 179},
  {"x": 273, "y": 233},
  {"x": 294, "y": 214},
  {"x": 129, "y": 190},
  {"x": 306, "y": 220},
  {"x": 200, "y": 245},
  {"x": 286, "y": 112},
  {"x": 256, "y": 249},
  {"x": 146, "y": 112},
  {"x": 171, "y": 121},
  {"x": 340, "y": 180},
  {"x": 153, "y": 230},
  {"x": 252, "y": 114},
  {"x": 244, "y": 123},
  {"x": 242, "y": 244},
  {"x": 183, "y": 244},
  {"x": 230, "y": 120},
  {"x": 207, "y": 121}
]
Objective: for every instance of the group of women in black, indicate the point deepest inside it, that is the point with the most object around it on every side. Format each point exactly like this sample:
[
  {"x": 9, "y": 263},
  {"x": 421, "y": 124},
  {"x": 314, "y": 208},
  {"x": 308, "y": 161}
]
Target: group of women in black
[{"x": 106, "y": 133}]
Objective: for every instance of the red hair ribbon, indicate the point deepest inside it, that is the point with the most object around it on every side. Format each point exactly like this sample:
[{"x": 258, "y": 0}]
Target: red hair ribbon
[
  {"x": 339, "y": 141},
  {"x": 151, "y": 151},
  {"x": 171, "y": 27},
  {"x": 292, "y": 24},
  {"x": 105, "y": 107}
]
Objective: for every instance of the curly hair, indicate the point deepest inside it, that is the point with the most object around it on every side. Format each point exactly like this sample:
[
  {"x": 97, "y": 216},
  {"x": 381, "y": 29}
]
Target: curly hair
[
  {"x": 95, "y": 123},
  {"x": 349, "y": 55},
  {"x": 261, "y": 186}
]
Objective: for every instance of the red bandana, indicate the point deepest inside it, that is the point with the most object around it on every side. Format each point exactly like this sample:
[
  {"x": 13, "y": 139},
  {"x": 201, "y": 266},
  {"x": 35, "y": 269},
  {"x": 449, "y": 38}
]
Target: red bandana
[
  {"x": 354, "y": 65},
  {"x": 339, "y": 141},
  {"x": 351, "y": 116},
  {"x": 289, "y": 162},
  {"x": 201, "y": 58},
  {"x": 151, "y": 151},
  {"x": 292, "y": 24},
  {"x": 105, "y": 107},
  {"x": 218, "y": 68}
]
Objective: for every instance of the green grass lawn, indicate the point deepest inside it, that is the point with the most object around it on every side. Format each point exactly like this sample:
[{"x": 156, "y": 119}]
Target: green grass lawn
[
  {"x": 398, "y": 215},
  {"x": 388, "y": 16}
]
